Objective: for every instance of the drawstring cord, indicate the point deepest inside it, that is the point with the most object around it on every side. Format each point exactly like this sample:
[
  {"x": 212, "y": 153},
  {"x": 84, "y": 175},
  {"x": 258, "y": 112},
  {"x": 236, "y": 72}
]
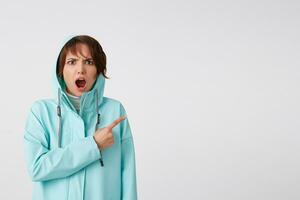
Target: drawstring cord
[
  {"x": 98, "y": 122},
  {"x": 60, "y": 124},
  {"x": 59, "y": 120}
]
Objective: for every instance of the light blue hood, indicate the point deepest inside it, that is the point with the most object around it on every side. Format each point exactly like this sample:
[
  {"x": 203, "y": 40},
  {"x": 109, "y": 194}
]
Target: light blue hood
[{"x": 88, "y": 101}]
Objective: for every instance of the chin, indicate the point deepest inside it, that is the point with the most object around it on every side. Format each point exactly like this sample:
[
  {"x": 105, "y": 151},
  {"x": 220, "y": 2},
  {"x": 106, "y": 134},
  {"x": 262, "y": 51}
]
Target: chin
[
  {"x": 79, "y": 93},
  {"x": 75, "y": 93}
]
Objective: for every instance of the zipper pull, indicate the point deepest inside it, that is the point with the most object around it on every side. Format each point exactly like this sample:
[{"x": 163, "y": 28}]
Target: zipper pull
[
  {"x": 98, "y": 122},
  {"x": 98, "y": 119},
  {"x": 101, "y": 162}
]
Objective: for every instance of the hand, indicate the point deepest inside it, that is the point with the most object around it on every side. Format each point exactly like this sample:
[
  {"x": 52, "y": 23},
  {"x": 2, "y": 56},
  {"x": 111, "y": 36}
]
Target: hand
[{"x": 104, "y": 136}]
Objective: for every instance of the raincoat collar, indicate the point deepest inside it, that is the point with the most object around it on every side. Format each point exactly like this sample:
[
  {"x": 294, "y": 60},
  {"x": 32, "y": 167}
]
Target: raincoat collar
[{"x": 88, "y": 99}]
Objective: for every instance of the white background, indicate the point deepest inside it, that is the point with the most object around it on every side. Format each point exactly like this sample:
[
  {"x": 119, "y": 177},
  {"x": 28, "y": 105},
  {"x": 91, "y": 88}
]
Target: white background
[{"x": 211, "y": 89}]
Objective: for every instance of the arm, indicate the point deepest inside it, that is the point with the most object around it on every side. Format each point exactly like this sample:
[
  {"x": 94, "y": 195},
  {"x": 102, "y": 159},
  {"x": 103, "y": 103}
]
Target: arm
[
  {"x": 129, "y": 186},
  {"x": 44, "y": 164}
]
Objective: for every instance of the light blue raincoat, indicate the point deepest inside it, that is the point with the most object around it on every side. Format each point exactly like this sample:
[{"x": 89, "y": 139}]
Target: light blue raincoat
[{"x": 62, "y": 157}]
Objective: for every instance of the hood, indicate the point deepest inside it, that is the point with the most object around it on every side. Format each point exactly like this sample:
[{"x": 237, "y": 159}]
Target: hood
[{"x": 88, "y": 99}]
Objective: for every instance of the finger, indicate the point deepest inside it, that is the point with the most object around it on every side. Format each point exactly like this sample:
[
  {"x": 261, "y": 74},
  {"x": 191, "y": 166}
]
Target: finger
[{"x": 116, "y": 122}]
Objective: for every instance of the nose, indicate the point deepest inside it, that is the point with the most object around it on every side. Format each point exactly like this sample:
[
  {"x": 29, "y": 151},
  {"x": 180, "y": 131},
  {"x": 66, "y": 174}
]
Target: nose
[{"x": 80, "y": 69}]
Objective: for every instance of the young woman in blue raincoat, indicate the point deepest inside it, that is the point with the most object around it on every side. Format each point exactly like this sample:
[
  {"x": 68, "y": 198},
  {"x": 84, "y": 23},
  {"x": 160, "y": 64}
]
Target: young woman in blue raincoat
[{"x": 79, "y": 145}]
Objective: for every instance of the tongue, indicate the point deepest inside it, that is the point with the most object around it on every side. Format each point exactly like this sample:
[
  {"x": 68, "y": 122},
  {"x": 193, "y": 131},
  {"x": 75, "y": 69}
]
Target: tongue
[{"x": 80, "y": 83}]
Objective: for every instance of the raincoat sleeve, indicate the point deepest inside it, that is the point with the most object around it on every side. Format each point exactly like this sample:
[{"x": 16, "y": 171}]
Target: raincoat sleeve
[
  {"x": 128, "y": 166},
  {"x": 44, "y": 164}
]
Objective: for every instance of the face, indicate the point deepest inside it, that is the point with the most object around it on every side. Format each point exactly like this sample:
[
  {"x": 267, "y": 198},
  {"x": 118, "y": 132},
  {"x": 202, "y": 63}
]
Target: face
[{"x": 79, "y": 71}]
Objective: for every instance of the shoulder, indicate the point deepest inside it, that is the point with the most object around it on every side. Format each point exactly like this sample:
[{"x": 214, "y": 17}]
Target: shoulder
[
  {"x": 41, "y": 105},
  {"x": 111, "y": 101},
  {"x": 113, "y": 104}
]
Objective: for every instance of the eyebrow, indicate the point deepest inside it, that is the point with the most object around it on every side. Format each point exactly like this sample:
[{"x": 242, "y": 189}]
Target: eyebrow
[{"x": 77, "y": 59}]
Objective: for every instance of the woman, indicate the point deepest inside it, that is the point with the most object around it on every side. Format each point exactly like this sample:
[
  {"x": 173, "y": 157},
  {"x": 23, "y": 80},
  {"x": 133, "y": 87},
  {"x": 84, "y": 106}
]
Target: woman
[{"x": 80, "y": 145}]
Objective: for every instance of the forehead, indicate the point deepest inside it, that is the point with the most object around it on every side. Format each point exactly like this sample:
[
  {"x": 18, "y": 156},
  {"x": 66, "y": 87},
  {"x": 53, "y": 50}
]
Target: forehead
[{"x": 79, "y": 50}]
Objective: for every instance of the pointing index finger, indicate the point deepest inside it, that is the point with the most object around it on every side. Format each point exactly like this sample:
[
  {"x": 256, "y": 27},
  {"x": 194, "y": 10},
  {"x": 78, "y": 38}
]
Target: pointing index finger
[{"x": 116, "y": 122}]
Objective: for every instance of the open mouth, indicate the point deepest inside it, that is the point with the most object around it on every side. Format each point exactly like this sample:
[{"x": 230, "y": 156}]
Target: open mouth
[{"x": 80, "y": 83}]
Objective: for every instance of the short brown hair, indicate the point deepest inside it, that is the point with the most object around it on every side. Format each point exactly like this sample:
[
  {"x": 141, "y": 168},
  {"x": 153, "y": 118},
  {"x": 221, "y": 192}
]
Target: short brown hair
[{"x": 95, "y": 48}]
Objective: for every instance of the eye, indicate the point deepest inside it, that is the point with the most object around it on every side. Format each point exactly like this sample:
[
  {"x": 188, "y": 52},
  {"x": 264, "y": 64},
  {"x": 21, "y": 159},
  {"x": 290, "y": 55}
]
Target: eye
[
  {"x": 89, "y": 62},
  {"x": 71, "y": 62}
]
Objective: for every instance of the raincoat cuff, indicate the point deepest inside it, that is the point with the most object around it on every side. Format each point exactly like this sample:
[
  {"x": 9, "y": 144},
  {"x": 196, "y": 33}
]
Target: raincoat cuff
[{"x": 94, "y": 147}]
